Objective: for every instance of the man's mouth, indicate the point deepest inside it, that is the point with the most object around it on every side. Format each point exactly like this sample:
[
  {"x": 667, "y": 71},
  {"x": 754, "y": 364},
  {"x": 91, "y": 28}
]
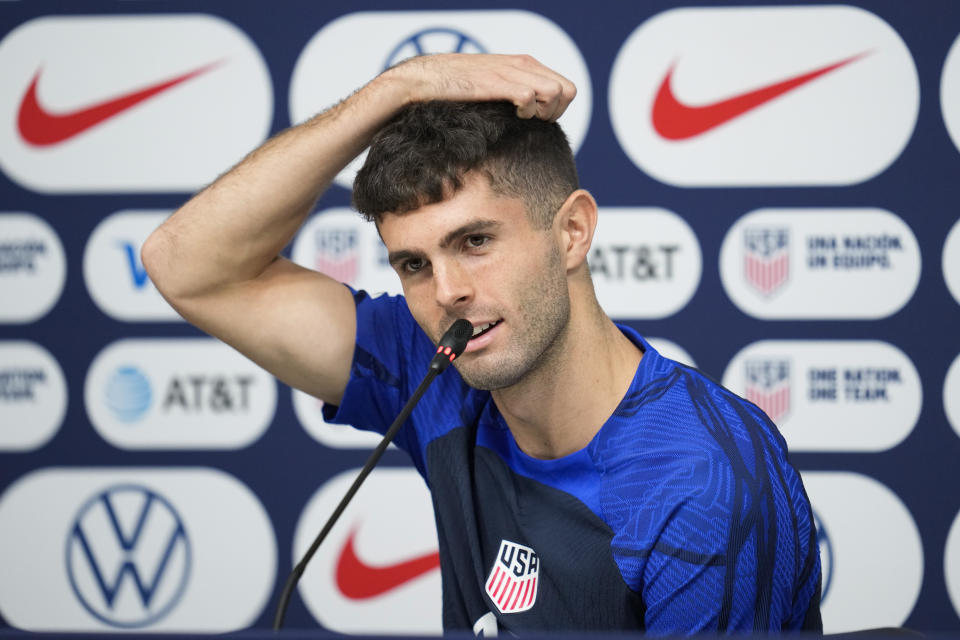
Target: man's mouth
[{"x": 483, "y": 328}]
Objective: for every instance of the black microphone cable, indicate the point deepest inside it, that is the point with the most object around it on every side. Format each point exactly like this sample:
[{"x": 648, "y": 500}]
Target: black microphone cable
[{"x": 451, "y": 345}]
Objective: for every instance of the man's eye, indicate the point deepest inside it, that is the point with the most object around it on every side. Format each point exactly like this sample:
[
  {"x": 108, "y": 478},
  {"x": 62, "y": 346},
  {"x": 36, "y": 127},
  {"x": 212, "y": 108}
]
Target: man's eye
[
  {"x": 475, "y": 242},
  {"x": 413, "y": 265}
]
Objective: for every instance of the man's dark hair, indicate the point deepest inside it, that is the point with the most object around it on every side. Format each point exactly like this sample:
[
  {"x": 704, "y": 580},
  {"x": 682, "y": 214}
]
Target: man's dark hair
[{"x": 421, "y": 156}]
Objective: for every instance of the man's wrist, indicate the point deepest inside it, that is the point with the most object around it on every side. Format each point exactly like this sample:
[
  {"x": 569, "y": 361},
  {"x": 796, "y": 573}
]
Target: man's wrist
[{"x": 395, "y": 86}]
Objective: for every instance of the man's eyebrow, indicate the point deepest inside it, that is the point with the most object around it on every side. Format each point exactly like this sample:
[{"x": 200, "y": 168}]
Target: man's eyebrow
[
  {"x": 475, "y": 226},
  {"x": 468, "y": 228},
  {"x": 396, "y": 257}
]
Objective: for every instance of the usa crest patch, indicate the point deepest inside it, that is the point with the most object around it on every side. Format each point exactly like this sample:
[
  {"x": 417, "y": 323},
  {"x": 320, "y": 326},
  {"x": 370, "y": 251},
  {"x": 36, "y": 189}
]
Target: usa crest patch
[{"x": 512, "y": 583}]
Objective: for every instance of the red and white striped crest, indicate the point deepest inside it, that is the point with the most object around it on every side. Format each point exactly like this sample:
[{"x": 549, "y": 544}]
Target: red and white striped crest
[
  {"x": 766, "y": 259},
  {"x": 336, "y": 253},
  {"x": 768, "y": 386},
  {"x": 512, "y": 583}
]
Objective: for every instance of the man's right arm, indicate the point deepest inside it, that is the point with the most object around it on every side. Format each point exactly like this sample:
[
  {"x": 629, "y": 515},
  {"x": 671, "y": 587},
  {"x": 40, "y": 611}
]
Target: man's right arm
[{"x": 217, "y": 259}]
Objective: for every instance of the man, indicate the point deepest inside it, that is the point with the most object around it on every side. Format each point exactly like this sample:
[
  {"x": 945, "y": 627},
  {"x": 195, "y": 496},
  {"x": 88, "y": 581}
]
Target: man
[{"x": 579, "y": 479}]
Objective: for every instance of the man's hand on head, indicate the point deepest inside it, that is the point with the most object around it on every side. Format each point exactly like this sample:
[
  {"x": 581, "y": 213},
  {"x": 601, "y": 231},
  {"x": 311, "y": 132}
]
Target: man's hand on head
[{"x": 536, "y": 90}]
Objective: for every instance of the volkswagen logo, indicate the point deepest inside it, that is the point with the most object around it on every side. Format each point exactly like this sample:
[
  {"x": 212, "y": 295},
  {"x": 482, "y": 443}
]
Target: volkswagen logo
[
  {"x": 128, "y": 556},
  {"x": 433, "y": 40}
]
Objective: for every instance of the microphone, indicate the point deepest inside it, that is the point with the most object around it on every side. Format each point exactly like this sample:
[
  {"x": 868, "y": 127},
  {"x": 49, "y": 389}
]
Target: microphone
[{"x": 451, "y": 345}]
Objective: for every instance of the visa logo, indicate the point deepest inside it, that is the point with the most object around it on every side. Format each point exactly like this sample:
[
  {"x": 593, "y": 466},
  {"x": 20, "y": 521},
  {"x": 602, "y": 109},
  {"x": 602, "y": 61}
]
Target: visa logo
[
  {"x": 123, "y": 292},
  {"x": 137, "y": 271}
]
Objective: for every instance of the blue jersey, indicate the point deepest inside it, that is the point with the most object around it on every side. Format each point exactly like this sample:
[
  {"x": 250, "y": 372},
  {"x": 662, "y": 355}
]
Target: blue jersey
[{"x": 683, "y": 513}]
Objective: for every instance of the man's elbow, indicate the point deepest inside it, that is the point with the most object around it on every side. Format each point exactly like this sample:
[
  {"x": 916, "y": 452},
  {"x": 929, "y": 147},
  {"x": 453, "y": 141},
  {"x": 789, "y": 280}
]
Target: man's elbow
[{"x": 155, "y": 255}]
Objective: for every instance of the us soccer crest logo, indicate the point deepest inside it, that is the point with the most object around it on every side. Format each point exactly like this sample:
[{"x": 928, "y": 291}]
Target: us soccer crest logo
[
  {"x": 512, "y": 584},
  {"x": 768, "y": 386},
  {"x": 766, "y": 258},
  {"x": 336, "y": 253}
]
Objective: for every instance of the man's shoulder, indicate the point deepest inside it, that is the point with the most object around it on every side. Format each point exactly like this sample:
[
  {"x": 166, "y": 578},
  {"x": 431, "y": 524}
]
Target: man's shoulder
[
  {"x": 682, "y": 432},
  {"x": 684, "y": 403},
  {"x": 674, "y": 466},
  {"x": 662, "y": 384},
  {"x": 385, "y": 327},
  {"x": 380, "y": 303}
]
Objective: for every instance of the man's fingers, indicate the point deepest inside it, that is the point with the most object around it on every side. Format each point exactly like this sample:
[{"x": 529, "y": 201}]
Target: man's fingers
[
  {"x": 554, "y": 91},
  {"x": 539, "y": 92},
  {"x": 551, "y": 109},
  {"x": 526, "y": 102},
  {"x": 535, "y": 90}
]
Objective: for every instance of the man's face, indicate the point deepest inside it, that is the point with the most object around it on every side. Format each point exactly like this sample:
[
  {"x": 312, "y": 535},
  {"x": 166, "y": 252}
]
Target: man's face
[{"x": 476, "y": 256}]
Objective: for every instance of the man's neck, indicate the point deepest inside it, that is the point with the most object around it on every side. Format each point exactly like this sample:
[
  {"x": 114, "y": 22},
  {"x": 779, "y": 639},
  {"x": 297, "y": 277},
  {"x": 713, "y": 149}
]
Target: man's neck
[{"x": 559, "y": 407}]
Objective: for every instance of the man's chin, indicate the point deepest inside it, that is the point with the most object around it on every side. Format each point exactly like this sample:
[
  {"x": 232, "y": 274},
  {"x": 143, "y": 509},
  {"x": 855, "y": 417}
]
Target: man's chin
[{"x": 486, "y": 378}]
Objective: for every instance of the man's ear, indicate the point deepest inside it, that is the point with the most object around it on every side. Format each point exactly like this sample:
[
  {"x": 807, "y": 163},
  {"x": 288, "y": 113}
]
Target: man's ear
[{"x": 575, "y": 223}]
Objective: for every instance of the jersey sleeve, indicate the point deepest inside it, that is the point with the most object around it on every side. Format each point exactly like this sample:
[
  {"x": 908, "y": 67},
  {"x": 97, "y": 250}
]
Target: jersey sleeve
[
  {"x": 389, "y": 345},
  {"x": 675, "y": 553},
  {"x": 712, "y": 527},
  {"x": 751, "y": 566}
]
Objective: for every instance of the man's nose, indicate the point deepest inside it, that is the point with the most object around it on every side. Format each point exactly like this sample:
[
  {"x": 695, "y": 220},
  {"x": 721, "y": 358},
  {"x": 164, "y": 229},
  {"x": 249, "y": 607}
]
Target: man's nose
[{"x": 453, "y": 284}]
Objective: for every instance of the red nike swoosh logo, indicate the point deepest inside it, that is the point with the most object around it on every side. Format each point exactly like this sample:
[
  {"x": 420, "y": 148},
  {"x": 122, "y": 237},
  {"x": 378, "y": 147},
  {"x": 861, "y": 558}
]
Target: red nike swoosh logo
[
  {"x": 357, "y": 580},
  {"x": 42, "y": 128},
  {"x": 677, "y": 121}
]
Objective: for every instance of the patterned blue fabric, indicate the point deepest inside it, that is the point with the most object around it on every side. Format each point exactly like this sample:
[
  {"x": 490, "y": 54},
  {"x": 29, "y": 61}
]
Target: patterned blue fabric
[{"x": 705, "y": 519}]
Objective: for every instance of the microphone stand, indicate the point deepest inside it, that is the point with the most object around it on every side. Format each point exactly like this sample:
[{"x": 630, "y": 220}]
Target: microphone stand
[{"x": 452, "y": 344}]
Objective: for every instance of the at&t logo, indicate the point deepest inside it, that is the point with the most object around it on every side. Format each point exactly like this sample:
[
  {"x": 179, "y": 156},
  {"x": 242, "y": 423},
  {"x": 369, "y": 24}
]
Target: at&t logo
[
  {"x": 128, "y": 556},
  {"x": 179, "y": 394},
  {"x": 128, "y": 394},
  {"x": 655, "y": 274}
]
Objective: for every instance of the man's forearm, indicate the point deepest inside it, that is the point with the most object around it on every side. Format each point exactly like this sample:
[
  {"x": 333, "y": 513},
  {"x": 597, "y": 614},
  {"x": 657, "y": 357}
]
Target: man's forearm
[{"x": 232, "y": 230}]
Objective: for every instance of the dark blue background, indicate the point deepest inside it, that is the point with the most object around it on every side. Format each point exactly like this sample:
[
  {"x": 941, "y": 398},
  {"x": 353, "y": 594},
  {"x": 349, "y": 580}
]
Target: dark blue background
[{"x": 286, "y": 466}]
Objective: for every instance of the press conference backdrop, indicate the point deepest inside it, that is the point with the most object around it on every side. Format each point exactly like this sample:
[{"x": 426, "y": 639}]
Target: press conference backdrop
[{"x": 778, "y": 189}]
